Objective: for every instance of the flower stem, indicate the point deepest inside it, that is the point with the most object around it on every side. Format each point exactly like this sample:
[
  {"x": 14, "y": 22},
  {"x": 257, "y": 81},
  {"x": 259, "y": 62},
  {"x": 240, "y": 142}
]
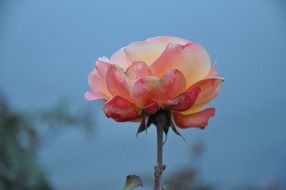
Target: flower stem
[
  {"x": 161, "y": 121},
  {"x": 159, "y": 168}
]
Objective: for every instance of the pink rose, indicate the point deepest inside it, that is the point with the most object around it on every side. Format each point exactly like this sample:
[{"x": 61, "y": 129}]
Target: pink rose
[{"x": 162, "y": 72}]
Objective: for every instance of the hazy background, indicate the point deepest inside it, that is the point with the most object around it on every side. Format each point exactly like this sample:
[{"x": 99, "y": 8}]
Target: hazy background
[{"x": 48, "y": 47}]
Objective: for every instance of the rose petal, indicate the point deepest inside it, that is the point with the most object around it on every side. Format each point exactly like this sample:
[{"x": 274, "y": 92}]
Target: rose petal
[
  {"x": 172, "y": 83},
  {"x": 191, "y": 59},
  {"x": 197, "y": 120},
  {"x": 96, "y": 80},
  {"x": 147, "y": 51},
  {"x": 184, "y": 101},
  {"x": 136, "y": 71},
  {"x": 143, "y": 90},
  {"x": 121, "y": 109},
  {"x": 120, "y": 59},
  {"x": 144, "y": 51},
  {"x": 167, "y": 39},
  {"x": 148, "y": 89},
  {"x": 104, "y": 59},
  {"x": 209, "y": 90},
  {"x": 92, "y": 96},
  {"x": 151, "y": 108},
  {"x": 213, "y": 72},
  {"x": 117, "y": 82}
]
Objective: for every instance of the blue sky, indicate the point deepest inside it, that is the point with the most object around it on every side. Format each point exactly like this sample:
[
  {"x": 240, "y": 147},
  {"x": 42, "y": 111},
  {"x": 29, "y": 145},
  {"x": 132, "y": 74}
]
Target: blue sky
[{"x": 48, "y": 47}]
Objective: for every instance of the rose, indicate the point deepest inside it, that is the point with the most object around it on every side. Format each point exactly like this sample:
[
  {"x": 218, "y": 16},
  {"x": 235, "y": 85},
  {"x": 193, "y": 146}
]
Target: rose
[{"x": 160, "y": 73}]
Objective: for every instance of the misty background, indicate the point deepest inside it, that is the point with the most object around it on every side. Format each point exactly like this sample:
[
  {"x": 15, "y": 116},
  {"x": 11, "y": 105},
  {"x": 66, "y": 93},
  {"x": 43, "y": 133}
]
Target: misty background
[{"x": 48, "y": 48}]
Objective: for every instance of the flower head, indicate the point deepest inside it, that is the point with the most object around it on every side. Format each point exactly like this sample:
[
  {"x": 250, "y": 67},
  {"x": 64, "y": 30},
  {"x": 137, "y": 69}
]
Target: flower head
[{"x": 160, "y": 73}]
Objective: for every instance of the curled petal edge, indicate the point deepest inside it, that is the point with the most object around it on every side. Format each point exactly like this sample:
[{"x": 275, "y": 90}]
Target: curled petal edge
[
  {"x": 195, "y": 120},
  {"x": 96, "y": 80},
  {"x": 209, "y": 89},
  {"x": 151, "y": 108},
  {"x": 184, "y": 101},
  {"x": 121, "y": 110},
  {"x": 93, "y": 96},
  {"x": 117, "y": 82},
  {"x": 191, "y": 59}
]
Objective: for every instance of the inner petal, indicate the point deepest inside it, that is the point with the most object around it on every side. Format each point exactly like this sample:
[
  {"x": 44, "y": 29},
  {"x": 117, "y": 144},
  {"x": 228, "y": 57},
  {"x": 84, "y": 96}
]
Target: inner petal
[
  {"x": 137, "y": 70},
  {"x": 120, "y": 59},
  {"x": 150, "y": 89},
  {"x": 144, "y": 51},
  {"x": 143, "y": 90},
  {"x": 172, "y": 83},
  {"x": 117, "y": 82}
]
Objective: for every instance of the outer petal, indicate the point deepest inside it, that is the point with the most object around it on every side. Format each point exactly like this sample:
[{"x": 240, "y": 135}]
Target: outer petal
[
  {"x": 92, "y": 96},
  {"x": 96, "y": 80},
  {"x": 136, "y": 71},
  {"x": 184, "y": 101},
  {"x": 167, "y": 39},
  {"x": 149, "y": 89},
  {"x": 213, "y": 72},
  {"x": 117, "y": 82},
  {"x": 151, "y": 108},
  {"x": 209, "y": 90},
  {"x": 121, "y": 109},
  {"x": 198, "y": 120},
  {"x": 191, "y": 59}
]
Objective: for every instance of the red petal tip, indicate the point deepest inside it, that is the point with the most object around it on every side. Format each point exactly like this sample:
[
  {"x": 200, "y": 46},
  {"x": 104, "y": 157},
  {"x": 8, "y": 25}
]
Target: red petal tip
[{"x": 121, "y": 110}]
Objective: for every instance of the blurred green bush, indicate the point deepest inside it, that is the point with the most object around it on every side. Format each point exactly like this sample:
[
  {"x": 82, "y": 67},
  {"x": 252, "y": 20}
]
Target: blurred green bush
[{"x": 20, "y": 140}]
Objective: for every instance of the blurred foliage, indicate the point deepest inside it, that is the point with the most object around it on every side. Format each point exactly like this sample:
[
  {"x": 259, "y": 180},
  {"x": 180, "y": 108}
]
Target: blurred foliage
[
  {"x": 18, "y": 167},
  {"x": 133, "y": 181},
  {"x": 64, "y": 114},
  {"x": 185, "y": 180},
  {"x": 19, "y": 140},
  {"x": 189, "y": 178}
]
